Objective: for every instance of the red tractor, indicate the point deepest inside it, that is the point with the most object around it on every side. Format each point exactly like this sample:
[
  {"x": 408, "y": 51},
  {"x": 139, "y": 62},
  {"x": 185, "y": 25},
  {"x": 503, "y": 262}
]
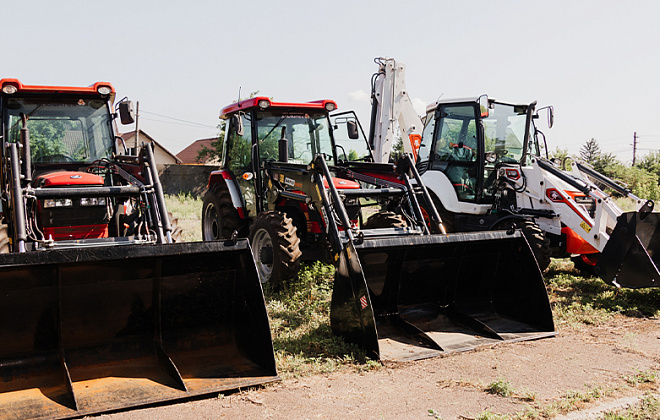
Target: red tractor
[
  {"x": 237, "y": 198},
  {"x": 99, "y": 308}
]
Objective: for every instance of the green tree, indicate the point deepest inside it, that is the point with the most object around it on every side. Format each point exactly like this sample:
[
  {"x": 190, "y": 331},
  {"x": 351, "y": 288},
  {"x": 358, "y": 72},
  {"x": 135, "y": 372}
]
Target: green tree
[
  {"x": 651, "y": 163},
  {"x": 216, "y": 150},
  {"x": 397, "y": 149},
  {"x": 590, "y": 151},
  {"x": 603, "y": 161},
  {"x": 217, "y": 145},
  {"x": 643, "y": 183}
]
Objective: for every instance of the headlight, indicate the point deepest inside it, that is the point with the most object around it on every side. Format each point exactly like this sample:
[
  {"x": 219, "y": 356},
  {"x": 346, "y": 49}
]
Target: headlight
[
  {"x": 263, "y": 103},
  {"x": 57, "y": 202},
  {"x": 104, "y": 90},
  {"x": 330, "y": 106},
  {"x": 9, "y": 89},
  {"x": 93, "y": 201}
]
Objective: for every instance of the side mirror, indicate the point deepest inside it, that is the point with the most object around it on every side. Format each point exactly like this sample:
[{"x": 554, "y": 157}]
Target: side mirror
[
  {"x": 237, "y": 121},
  {"x": 551, "y": 114},
  {"x": 352, "y": 128},
  {"x": 126, "y": 113},
  {"x": 484, "y": 106}
]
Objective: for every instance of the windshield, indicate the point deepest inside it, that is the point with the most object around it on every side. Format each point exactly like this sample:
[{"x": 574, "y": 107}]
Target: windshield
[
  {"x": 307, "y": 135},
  {"x": 504, "y": 130},
  {"x": 62, "y": 131}
]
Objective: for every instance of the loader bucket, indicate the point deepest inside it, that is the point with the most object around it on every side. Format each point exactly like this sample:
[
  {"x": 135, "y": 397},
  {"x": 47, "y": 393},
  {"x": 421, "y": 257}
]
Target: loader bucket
[
  {"x": 90, "y": 330},
  {"x": 632, "y": 254},
  {"x": 414, "y": 297}
]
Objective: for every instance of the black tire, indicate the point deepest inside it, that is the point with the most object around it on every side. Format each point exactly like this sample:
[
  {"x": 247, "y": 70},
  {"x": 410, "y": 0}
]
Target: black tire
[
  {"x": 275, "y": 248},
  {"x": 586, "y": 264},
  {"x": 4, "y": 238},
  {"x": 384, "y": 219},
  {"x": 219, "y": 216},
  {"x": 537, "y": 241}
]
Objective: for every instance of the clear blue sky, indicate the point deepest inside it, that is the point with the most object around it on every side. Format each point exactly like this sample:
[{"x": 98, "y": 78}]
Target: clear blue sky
[{"x": 597, "y": 62}]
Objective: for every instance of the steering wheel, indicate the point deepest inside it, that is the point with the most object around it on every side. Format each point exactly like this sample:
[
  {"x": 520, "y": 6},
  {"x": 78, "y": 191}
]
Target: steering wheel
[{"x": 460, "y": 151}]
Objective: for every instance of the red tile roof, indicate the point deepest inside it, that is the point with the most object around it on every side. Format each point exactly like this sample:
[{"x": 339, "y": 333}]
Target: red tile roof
[{"x": 189, "y": 154}]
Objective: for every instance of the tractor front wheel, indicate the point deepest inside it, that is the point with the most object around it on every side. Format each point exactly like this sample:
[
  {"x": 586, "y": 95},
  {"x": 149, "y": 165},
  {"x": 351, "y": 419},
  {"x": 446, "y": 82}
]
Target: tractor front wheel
[
  {"x": 537, "y": 241},
  {"x": 275, "y": 248},
  {"x": 586, "y": 264},
  {"x": 385, "y": 219}
]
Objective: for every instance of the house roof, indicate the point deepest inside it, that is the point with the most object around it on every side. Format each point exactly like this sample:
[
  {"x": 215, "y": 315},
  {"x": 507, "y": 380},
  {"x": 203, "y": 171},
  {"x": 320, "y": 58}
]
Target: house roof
[
  {"x": 189, "y": 154},
  {"x": 131, "y": 134}
]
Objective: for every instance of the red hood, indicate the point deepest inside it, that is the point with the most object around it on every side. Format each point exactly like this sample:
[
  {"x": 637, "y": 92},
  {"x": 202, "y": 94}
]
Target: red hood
[
  {"x": 342, "y": 184},
  {"x": 65, "y": 178}
]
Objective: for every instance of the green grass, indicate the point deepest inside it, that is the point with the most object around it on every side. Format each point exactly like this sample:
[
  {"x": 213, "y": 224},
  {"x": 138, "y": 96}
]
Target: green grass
[
  {"x": 500, "y": 387},
  {"x": 582, "y": 301},
  {"x": 648, "y": 408},
  {"x": 300, "y": 325},
  {"x": 188, "y": 210},
  {"x": 649, "y": 376}
]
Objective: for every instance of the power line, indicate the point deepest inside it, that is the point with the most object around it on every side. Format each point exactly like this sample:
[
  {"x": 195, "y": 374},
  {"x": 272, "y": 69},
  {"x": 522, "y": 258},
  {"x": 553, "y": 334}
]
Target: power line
[
  {"x": 180, "y": 120},
  {"x": 200, "y": 126}
]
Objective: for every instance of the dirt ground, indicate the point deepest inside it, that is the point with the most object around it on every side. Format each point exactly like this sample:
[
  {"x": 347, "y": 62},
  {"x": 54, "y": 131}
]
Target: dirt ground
[{"x": 454, "y": 386}]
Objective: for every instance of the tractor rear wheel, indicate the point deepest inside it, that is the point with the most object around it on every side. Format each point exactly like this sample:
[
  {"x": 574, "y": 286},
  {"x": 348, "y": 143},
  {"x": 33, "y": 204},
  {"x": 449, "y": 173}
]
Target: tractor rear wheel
[
  {"x": 275, "y": 248},
  {"x": 384, "y": 219},
  {"x": 219, "y": 216}
]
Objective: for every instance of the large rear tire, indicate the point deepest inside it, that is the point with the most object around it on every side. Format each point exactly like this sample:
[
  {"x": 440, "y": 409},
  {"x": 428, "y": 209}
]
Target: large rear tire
[
  {"x": 219, "y": 216},
  {"x": 275, "y": 248}
]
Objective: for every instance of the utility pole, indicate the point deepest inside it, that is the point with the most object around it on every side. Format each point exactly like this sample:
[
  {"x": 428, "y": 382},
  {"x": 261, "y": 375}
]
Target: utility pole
[{"x": 634, "y": 147}]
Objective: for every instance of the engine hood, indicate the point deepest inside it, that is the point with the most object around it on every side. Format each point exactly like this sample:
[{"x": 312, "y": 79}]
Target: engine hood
[{"x": 67, "y": 178}]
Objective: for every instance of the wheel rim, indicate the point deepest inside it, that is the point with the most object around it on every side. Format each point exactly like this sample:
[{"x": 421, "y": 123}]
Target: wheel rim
[
  {"x": 211, "y": 224},
  {"x": 589, "y": 259},
  {"x": 260, "y": 240}
]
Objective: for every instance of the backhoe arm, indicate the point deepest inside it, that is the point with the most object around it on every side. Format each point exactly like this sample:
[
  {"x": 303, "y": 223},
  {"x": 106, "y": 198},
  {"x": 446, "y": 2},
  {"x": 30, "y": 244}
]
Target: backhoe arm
[{"x": 389, "y": 103}]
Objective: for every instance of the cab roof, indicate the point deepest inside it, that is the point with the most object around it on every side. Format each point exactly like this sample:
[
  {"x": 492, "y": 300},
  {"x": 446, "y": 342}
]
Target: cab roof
[
  {"x": 263, "y": 102},
  {"x": 82, "y": 90}
]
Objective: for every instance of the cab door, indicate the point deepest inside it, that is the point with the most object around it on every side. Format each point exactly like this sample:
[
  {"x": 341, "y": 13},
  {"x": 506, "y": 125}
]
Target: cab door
[
  {"x": 456, "y": 149},
  {"x": 350, "y": 142},
  {"x": 239, "y": 160}
]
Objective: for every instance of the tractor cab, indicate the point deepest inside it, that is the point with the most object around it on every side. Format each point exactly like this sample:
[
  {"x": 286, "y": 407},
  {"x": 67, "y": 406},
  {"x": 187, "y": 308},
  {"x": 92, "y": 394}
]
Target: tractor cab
[
  {"x": 259, "y": 130},
  {"x": 468, "y": 138},
  {"x": 65, "y": 139}
]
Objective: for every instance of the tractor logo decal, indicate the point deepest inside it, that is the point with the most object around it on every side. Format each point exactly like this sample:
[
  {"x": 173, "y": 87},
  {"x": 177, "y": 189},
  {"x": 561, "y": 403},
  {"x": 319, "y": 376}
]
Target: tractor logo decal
[
  {"x": 290, "y": 182},
  {"x": 75, "y": 176}
]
